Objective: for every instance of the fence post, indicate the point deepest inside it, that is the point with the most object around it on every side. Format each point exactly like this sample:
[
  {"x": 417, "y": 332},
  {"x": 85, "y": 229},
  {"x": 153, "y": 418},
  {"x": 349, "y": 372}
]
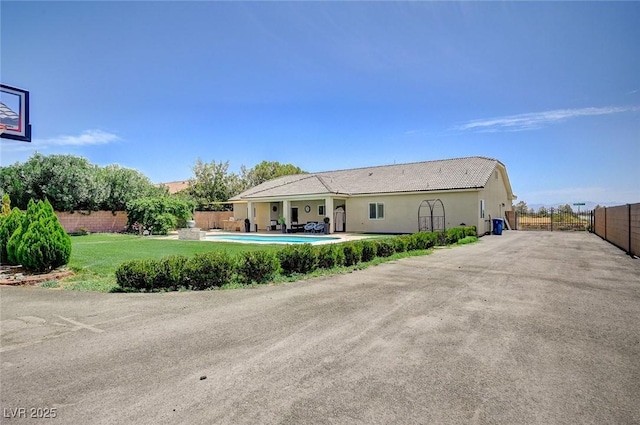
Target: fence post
[
  {"x": 552, "y": 219},
  {"x": 629, "y": 228},
  {"x": 605, "y": 224}
]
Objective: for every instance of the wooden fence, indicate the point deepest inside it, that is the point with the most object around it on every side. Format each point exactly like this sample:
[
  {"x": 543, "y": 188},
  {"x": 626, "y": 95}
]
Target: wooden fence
[
  {"x": 620, "y": 225},
  {"x": 115, "y": 222}
]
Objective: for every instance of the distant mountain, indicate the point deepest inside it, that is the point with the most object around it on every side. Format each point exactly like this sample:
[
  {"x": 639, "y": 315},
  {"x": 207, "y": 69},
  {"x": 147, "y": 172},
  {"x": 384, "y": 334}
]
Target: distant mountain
[{"x": 588, "y": 205}]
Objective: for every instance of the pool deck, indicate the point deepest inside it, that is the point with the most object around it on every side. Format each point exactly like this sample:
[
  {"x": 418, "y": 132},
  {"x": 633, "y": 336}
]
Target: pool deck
[{"x": 331, "y": 238}]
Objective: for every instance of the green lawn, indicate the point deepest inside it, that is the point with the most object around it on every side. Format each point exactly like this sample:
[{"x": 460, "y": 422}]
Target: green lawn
[{"x": 96, "y": 257}]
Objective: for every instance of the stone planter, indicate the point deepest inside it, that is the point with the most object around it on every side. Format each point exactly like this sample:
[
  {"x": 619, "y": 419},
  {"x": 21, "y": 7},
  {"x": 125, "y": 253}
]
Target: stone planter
[{"x": 191, "y": 224}]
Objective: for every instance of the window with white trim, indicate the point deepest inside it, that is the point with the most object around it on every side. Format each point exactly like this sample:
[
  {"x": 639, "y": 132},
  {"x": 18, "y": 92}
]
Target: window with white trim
[
  {"x": 321, "y": 210},
  {"x": 376, "y": 211},
  {"x": 481, "y": 208}
]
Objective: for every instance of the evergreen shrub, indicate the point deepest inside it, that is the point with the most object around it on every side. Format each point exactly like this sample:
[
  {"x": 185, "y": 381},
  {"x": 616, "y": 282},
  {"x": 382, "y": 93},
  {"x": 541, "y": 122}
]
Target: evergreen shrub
[
  {"x": 9, "y": 225},
  {"x": 298, "y": 259},
  {"x": 330, "y": 255},
  {"x": 210, "y": 269},
  {"x": 257, "y": 266},
  {"x": 39, "y": 243},
  {"x": 352, "y": 253}
]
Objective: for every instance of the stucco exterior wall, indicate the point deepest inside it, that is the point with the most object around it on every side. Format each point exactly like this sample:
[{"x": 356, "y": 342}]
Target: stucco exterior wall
[
  {"x": 495, "y": 200},
  {"x": 401, "y": 211}
]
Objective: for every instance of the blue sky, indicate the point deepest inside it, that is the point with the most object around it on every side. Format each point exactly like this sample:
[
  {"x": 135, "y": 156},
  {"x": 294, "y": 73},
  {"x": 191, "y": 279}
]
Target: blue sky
[{"x": 550, "y": 89}]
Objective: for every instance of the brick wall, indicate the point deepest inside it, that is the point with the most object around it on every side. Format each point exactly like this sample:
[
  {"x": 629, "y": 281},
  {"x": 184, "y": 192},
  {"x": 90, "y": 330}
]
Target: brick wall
[
  {"x": 95, "y": 221},
  {"x": 108, "y": 222}
]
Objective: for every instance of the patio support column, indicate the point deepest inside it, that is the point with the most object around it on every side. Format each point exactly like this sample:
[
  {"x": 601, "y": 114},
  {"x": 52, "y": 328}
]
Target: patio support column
[
  {"x": 328, "y": 211},
  {"x": 250, "y": 213},
  {"x": 286, "y": 211}
]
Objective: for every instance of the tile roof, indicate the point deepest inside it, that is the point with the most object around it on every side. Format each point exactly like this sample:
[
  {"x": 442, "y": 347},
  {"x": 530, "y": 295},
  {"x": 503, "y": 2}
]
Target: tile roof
[{"x": 447, "y": 174}]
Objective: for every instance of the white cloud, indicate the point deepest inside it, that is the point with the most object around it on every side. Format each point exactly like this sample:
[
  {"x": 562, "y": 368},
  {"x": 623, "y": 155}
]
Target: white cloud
[
  {"x": 535, "y": 120},
  {"x": 87, "y": 137}
]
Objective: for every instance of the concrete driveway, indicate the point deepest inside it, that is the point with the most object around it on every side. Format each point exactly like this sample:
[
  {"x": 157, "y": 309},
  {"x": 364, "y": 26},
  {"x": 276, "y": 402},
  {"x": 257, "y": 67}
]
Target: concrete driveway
[{"x": 523, "y": 328}]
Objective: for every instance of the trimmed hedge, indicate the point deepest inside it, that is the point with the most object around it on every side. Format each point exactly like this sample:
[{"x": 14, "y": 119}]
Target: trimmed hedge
[
  {"x": 209, "y": 269},
  {"x": 330, "y": 255},
  {"x": 257, "y": 266},
  {"x": 298, "y": 259},
  {"x": 215, "y": 269},
  {"x": 385, "y": 247},
  {"x": 352, "y": 253}
]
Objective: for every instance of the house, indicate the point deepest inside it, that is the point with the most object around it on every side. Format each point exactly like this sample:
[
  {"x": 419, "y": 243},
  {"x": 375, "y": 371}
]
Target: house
[{"x": 399, "y": 198}]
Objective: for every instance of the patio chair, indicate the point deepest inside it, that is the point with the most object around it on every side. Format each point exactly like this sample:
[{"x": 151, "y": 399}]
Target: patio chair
[
  {"x": 319, "y": 228},
  {"x": 310, "y": 227}
]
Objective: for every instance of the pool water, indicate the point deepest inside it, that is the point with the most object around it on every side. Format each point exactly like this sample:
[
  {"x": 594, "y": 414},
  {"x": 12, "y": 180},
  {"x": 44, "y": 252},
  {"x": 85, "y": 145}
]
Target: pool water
[{"x": 269, "y": 239}]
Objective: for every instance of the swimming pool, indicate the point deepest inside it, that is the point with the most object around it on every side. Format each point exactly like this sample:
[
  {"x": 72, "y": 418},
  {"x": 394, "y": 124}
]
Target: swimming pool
[{"x": 270, "y": 239}]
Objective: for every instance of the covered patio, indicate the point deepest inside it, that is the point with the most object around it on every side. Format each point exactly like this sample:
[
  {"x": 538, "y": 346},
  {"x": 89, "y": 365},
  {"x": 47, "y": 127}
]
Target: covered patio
[{"x": 296, "y": 212}]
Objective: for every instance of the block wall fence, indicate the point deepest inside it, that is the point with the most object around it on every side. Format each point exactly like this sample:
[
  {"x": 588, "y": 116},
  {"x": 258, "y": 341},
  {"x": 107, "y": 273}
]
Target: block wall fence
[{"x": 115, "y": 222}]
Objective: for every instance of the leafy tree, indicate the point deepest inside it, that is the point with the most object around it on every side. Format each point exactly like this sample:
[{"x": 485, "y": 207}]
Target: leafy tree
[
  {"x": 543, "y": 211},
  {"x": 157, "y": 215},
  {"x": 12, "y": 184},
  {"x": 267, "y": 170},
  {"x": 68, "y": 182},
  {"x": 211, "y": 184},
  {"x": 125, "y": 184},
  {"x": 565, "y": 209},
  {"x": 521, "y": 207}
]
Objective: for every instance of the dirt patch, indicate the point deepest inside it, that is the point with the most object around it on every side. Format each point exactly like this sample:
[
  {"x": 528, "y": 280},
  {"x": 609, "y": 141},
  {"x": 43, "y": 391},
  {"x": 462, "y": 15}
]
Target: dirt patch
[{"x": 16, "y": 275}]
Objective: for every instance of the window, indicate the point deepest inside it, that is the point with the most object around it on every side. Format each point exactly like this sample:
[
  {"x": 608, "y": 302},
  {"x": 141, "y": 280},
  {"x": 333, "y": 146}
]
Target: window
[
  {"x": 321, "y": 210},
  {"x": 481, "y": 208},
  {"x": 376, "y": 211}
]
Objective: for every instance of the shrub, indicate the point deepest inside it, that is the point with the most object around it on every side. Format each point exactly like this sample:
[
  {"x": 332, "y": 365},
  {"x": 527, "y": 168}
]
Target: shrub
[
  {"x": 9, "y": 225},
  {"x": 330, "y": 255},
  {"x": 39, "y": 243},
  {"x": 137, "y": 274},
  {"x": 400, "y": 243},
  {"x": 424, "y": 240},
  {"x": 171, "y": 272},
  {"x": 257, "y": 266},
  {"x": 157, "y": 215},
  {"x": 385, "y": 247},
  {"x": 352, "y": 253},
  {"x": 368, "y": 250},
  {"x": 470, "y": 231},
  {"x": 209, "y": 269},
  {"x": 298, "y": 259},
  {"x": 453, "y": 235}
]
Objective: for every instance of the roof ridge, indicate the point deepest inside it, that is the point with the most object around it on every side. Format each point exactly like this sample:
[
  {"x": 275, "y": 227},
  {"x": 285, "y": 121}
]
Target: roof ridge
[
  {"x": 324, "y": 183},
  {"x": 408, "y": 163}
]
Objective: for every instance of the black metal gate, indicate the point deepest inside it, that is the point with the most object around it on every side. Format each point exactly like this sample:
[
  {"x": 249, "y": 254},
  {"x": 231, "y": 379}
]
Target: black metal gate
[
  {"x": 431, "y": 216},
  {"x": 554, "y": 219}
]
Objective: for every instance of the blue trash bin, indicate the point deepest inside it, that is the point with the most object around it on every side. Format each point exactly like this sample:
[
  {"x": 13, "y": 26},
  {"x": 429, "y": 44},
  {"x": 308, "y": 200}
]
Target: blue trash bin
[{"x": 497, "y": 226}]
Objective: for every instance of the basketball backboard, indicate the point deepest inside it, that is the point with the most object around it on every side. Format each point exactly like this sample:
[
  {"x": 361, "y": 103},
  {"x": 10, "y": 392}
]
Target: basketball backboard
[{"x": 14, "y": 114}]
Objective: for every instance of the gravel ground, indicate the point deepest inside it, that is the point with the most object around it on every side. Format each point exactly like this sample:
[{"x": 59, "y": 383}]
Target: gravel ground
[{"x": 526, "y": 328}]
